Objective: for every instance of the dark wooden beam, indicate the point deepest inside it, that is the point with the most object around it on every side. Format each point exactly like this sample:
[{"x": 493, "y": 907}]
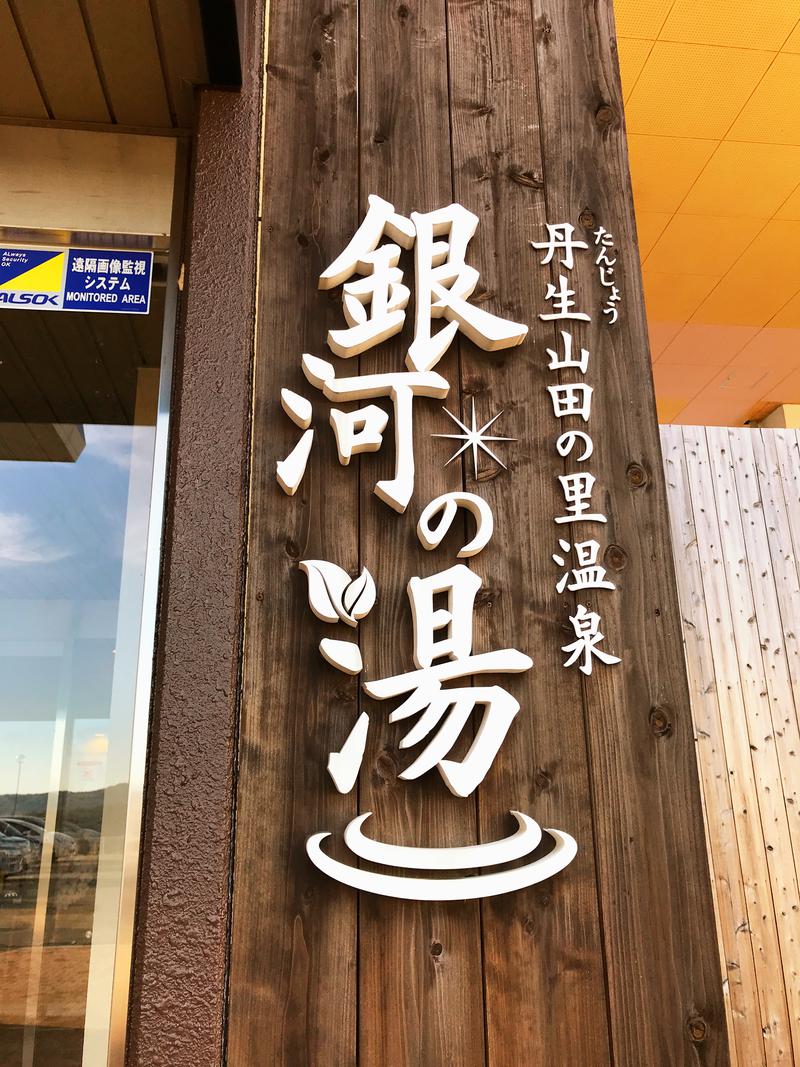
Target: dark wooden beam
[{"x": 223, "y": 29}]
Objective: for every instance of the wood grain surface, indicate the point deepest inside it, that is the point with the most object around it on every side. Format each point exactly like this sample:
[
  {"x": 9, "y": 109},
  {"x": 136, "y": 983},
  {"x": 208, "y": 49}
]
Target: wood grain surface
[
  {"x": 293, "y": 965},
  {"x": 419, "y": 963},
  {"x": 514, "y": 111},
  {"x": 735, "y": 518}
]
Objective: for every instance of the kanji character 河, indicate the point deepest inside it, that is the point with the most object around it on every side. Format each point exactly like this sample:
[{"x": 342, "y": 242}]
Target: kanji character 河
[{"x": 401, "y": 388}]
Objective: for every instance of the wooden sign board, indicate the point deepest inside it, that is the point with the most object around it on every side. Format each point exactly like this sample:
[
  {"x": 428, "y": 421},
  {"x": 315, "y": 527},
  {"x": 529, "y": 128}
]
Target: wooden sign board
[{"x": 514, "y": 113}]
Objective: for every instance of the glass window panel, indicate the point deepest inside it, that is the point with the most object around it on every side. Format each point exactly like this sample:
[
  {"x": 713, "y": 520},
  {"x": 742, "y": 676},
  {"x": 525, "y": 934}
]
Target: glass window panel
[{"x": 79, "y": 419}]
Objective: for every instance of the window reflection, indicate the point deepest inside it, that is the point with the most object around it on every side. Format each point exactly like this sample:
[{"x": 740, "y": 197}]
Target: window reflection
[{"x": 78, "y": 405}]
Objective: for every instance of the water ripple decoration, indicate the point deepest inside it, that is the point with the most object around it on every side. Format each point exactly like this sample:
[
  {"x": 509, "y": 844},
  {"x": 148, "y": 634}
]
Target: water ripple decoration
[{"x": 521, "y": 843}]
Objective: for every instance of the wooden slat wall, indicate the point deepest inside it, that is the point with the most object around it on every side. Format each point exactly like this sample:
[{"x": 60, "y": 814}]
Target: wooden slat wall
[
  {"x": 19, "y": 92},
  {"x": 128, "y": 61},
  {"x": 63, "y": 62},
  {"x": 735, "y": 514},
  {"x": 134, "y": 63},
  {"x": 515, "y": 111}
]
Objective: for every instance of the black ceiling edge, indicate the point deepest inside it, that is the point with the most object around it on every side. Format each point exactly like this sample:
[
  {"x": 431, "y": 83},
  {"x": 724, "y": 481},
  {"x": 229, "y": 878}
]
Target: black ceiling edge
[{"x": 221, "y": 38}]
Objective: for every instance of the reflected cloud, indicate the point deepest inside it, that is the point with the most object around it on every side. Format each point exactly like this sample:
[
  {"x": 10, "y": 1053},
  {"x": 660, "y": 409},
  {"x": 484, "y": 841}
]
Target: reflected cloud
[
  {"x": 21, "y": 542},
  {"x": 110, "y": 443}
]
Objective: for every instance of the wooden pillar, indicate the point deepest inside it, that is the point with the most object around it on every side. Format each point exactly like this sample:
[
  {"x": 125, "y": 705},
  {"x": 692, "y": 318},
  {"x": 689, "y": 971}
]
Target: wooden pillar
[{"x": 514, "y": 110}]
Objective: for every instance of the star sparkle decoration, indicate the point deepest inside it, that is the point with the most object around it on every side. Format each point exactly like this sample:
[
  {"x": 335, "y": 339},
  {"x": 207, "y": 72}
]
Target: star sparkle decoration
[{"x": 474, "y": 438}]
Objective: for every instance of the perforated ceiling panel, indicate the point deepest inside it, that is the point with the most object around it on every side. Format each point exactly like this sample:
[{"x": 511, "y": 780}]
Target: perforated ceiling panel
[{"x": 712, "y": 97}]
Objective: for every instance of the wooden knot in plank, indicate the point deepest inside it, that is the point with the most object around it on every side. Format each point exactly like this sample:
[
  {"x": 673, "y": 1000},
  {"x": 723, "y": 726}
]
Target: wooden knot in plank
[
  {"x": 531, "y": 179},
  {"x": 616, "y": 558},
  {"x": 292, "y": 548},
  {"x": 637, "y": 476},
  {"x": 698, "y": 1028},
  {"x": 605, "y": 116},
  {"x": 660, "y": 721},
  {"x": 385, "y": 768}
]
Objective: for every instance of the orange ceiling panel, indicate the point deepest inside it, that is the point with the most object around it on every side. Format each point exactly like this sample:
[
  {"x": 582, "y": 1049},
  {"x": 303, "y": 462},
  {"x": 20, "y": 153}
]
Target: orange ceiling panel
[
  {"x": 749, "y": 381},
  {"x": 771, "y": 348},
  {"x": 792, "y": 42},
  {"x": 693, "y": 90},
  {"x": 790, "y": 208},
  {"x": 649, "y": 227},
  {"x": 632, "y": 55},
  {"x": 641, "y": 18},
  {"x": 723, "y": 407},
  {"x": 786, "y": 391},
  {"x": 734, "y": 23},
  {"x": 660, "y": 334},
  {"x": 771, "y": 114},
  {"x": 788, "y": 317},
  {"x": 759, "y": 283},
  {"x": 675, "y": 381},
  {"x": 712, "y": 98},
  {"x": 667, "y": 409},
  {"x": 675, "y": 297},
  {"x": 664, "y": 169},
  {"x": 693, "y": 244},
  {"x": 714, "y": 345},
  {"x": 743, "y": 179}
]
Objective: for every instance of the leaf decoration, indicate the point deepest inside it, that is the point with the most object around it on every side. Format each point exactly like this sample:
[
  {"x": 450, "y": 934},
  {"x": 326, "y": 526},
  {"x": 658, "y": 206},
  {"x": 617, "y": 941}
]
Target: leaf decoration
[
  {"x": 333, "y": 596},
  {"x": 359, "y": 596},
  {"x": 326, "y": 584}
]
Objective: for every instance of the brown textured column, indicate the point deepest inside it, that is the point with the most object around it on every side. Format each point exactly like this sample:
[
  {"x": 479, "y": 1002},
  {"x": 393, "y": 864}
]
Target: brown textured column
[{"x": 178, "y": 996}]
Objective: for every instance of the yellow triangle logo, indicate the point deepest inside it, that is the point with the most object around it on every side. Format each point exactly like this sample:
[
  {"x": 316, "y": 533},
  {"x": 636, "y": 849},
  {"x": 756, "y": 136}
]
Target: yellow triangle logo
[{"x": 46, "y": 278}]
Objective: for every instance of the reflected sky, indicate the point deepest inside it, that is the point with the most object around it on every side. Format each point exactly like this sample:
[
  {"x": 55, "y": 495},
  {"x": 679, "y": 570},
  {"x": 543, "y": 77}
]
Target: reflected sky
[
  {"x": 62, "y": 527},
  {"x": 62, "y": 524}
]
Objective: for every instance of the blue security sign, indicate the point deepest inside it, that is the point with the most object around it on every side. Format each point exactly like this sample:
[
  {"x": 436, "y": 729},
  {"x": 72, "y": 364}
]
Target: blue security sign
[
  {"x": 108, "y": 281},
  {"x": 76, "y": 279}
]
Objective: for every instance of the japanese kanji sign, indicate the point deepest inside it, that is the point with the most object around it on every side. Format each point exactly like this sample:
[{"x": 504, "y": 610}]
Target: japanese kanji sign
[
  {"x": 435, "y": 698},
  {"x": 75, "y": 279}
]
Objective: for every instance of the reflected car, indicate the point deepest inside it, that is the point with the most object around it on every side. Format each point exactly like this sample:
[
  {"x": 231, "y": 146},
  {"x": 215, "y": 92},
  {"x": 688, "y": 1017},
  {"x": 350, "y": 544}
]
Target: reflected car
[
  {"x": 11, "y": 856},
  {"x": 88, "y": 841},
  {"x": 31, "y": 851},
  {"x": 64, "y": 846}
]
